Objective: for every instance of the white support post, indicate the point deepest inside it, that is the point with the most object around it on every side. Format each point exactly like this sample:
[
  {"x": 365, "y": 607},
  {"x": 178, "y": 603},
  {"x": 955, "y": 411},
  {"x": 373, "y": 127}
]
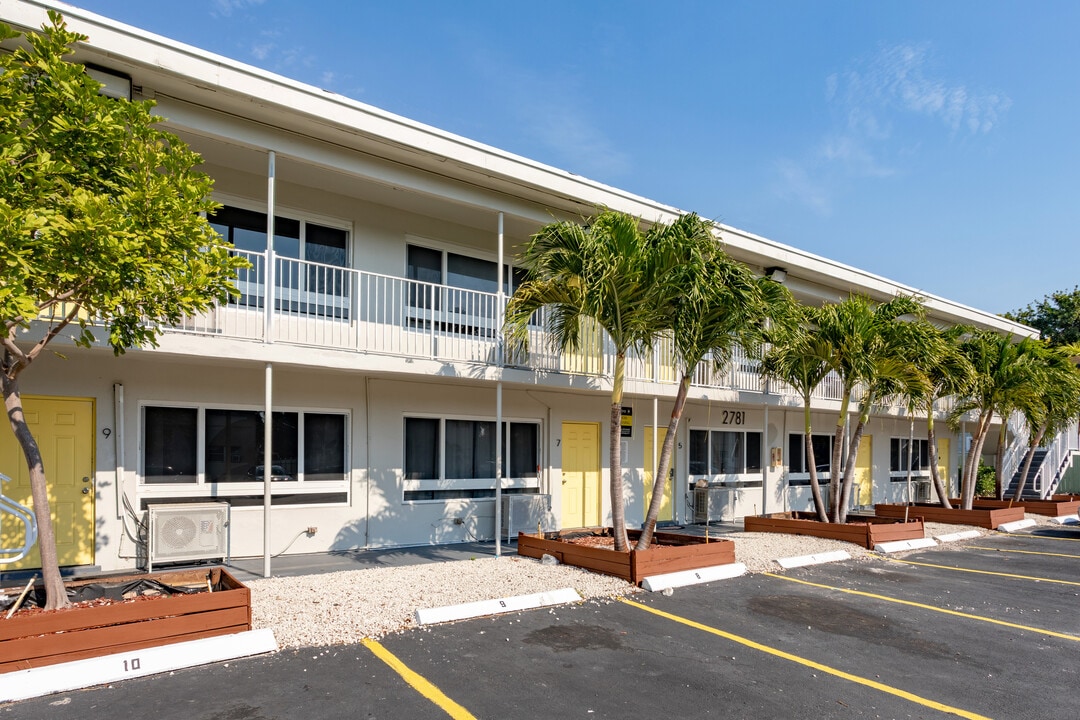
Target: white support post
[
  {"x": 268, "y": 292},
  {"x": 268, "y": 465}
]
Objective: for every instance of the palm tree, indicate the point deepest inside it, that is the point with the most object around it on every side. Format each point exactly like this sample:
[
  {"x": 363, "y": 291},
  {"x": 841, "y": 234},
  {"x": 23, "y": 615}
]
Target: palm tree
[
  {"x": 718, "y": 305},
  {"x": 947, "y": 372},
  {"x": 610, "y": 273},
  {"x": 864, "y": 342},
  {"x": 1004, "y": 371},
  {"x": 1058, "y": 385},
  {"x": 802, "y": 362}
]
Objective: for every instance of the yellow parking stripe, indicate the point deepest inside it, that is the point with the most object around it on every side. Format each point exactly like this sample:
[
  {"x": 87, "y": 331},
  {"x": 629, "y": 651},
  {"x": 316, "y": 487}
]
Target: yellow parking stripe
[
  {"x": 810, "y": 663},
  {"x": 985, "y": 572},
  {"x": 946, "y": 611},
  {"x": 419, "y": 682},
  {"x": 1021, "y": 552}
]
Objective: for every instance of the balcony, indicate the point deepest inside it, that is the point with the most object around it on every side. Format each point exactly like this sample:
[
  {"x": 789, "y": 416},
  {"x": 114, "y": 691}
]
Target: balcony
[{"x": 325, "y": 306}]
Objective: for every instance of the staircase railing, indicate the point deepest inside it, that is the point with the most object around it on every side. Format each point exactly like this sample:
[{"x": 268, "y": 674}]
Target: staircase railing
[
  {"x": 1058, "y": 458},
  {"x": 1017, "y": 449}
]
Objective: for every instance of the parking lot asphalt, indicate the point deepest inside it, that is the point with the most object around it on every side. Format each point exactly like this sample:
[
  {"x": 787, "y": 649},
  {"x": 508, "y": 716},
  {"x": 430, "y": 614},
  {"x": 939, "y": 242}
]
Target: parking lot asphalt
[{"x": 988, "y": 629}]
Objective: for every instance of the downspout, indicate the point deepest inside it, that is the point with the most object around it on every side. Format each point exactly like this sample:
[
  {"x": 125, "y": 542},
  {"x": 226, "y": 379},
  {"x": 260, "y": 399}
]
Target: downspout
[
  {"x": 367, "y": 461},
  {"x": 655, "y": 434},
  {"x": 765, "y": 458}
]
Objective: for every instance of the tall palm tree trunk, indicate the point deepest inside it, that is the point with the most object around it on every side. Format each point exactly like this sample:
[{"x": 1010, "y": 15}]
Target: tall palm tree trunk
[
  {"x": 971, "y": 467},
  {"x": 663, "y": 465},
  {"x": 618, "y": 508},
  {"x": 56, "y": 595},
  {"x": 835, "y": 479},
  {"x": 935, "y": 476},
  {"x": 853, "y": 453},
  {"x": 815, "y": 486},
  {"x": 999, "y": 460}
]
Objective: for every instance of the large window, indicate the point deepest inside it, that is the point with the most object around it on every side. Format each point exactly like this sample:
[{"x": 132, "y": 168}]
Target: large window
[
  {"x": 449, "y": 458},
  {"x": 309, "y": 451},
  {"x": 901, "y": 450},
  {"x": 724, "y": 452},
  {"x": 797, "y": 460},
  {"x": 318, "y": 286},
  {"x": 455, "y": 281}
]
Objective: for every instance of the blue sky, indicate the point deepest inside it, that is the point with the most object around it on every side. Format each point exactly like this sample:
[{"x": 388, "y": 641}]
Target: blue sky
[{"x": 934, "y": 143}]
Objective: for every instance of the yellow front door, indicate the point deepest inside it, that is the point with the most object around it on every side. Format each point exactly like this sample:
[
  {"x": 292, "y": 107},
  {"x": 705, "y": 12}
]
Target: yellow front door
[
  {"x": 64, "y": 430},
  {"x": 943, "y": 462},
  {"x": 864, "y": 472},
  {"x": 650, "y": 471},
  {"x": 580, "y": 474}
]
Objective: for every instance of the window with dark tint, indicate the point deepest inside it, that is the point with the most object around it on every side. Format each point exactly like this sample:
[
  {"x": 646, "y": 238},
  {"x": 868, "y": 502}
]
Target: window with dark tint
[
  {"x": 422, "y": 448},
  {"x": 234, "y": 446},
  {"x": 524, "y": 450},
  {"x": 470, "y": 449},
  {"x": 170, "y": 437},
  {"x": 324, "y": 446},
  {"x": 899, "y": 449},
  {"x": 724, "y": 452}
]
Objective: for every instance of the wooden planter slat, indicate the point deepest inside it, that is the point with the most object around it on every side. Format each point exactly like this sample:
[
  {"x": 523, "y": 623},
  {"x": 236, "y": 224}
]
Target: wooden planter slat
[
  {"x": 988, "y": 518},
  {"x": 127, "y": 647},
  {"x": 164, "y": 629},
  {"x": 1054, "y": 506},
  {"x": 684, "y": 553},
  {"x": 77, "y": 633},
  {"x": 865, "y": 532}
]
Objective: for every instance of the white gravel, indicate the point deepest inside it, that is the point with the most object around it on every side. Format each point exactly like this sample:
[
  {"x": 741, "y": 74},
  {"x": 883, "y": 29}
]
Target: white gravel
[{"x": 346, "y": 607}]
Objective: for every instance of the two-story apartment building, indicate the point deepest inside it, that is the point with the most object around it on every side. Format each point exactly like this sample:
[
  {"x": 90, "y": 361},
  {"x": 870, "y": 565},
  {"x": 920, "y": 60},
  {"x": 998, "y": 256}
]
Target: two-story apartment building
[{"x": 367, "y": 330}]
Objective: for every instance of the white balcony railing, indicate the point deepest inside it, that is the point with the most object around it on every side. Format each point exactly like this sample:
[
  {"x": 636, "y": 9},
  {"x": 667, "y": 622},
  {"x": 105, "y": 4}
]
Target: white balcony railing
[{"x": 325, "y": 306}]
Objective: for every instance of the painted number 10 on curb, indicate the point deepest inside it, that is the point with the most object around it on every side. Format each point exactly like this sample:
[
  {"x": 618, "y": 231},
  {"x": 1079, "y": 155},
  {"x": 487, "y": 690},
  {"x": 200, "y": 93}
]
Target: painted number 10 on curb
[{"x": 132, "y": 665}]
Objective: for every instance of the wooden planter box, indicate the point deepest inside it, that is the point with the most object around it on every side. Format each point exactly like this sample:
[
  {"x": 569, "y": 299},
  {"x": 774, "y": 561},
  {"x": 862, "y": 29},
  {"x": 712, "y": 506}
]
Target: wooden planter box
[
  {"x": 866, "y": 532},
  {"x": 35, "y": 640},
  {"x": 988, "y": 518},
  {"x": 1054, "y": 506},
  {"x": 669, "y": 552}
]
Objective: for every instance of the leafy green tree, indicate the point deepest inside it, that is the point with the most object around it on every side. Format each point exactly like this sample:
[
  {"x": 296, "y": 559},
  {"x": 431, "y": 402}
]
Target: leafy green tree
[
  {"x": 100, "y": 228},
  {"x": 1056, "y": 316},
  {"x": 607, "y": 271},
  {"x": 717, "y": 305}
]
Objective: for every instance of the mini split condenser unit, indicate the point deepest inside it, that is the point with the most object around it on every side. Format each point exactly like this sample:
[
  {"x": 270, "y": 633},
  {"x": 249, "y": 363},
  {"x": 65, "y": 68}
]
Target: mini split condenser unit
[
  {"x": 526, "y": 513},
  {"x": 186, "y": 532}
]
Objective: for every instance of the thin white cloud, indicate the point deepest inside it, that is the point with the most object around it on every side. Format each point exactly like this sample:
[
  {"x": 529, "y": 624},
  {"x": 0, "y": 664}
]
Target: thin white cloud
[
  {"x": 225, "y": 8},
  {"x": 552, "y": 112},
  {"x": 873, "y": 102}
]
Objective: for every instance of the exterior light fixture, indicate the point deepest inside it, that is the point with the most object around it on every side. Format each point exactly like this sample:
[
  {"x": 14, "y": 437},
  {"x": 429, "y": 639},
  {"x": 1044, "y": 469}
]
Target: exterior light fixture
[
  {"x": 113, "y": 84},
  {"x": 778, "y": 274}
]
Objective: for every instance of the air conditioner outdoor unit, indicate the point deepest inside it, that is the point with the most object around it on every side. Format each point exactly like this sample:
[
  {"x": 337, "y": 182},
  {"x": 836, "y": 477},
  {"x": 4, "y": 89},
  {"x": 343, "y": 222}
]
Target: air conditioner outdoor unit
[
  {"x": 922, "y": 491},
  {"x": 709, "y": 503},
  {"x": 188, "y": 531},
  {"x": 524, "y": 513}
]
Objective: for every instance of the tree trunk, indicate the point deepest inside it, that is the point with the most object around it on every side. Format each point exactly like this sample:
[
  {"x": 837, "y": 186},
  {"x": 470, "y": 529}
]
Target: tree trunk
[
  {"x": 853, "y": 453},
  {"x": 663, "y": 464},
  {"x": 999, "y": 460},
  {"x": 939, "y": 486},
  {"x": 835, "y": 481},
  {"x": 55, "y": 594},
  {"x": 618, "y": 509},
  {"x": 971, "y": 467},
  {"x": 815, "y": 486},
  {"x": 1028, "y": 458}
]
